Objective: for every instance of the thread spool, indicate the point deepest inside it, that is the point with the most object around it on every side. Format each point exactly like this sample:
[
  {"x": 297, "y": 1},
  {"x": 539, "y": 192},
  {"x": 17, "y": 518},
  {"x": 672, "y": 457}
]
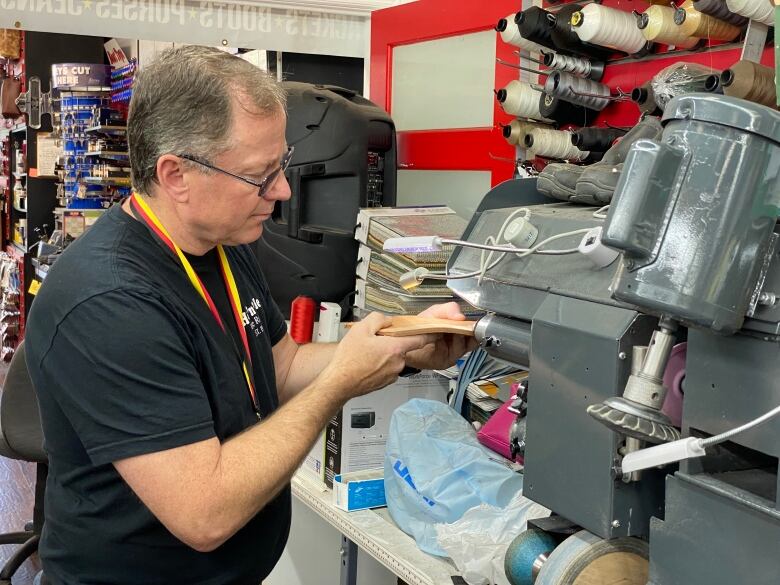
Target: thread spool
[
  {"x": 644, "y": 97},
  {"x": 608, "y": 27},
  {"x": 520, "y": 99},
  {"x": 696, "y": 24},
  {"x": 760, "y": 10},
  {"x": 302, "y": 319},
  {"x": 658, "y": 26},
  {"x": 575, "y": 65},
  {"x": 564, "y": 112},
  {"x": 678, "y": 79},
  {"x": 720, "y": 10},
  {"x": 595, "y": 139},
  {"x": 515, "y": 131},
  {"x": 534, "y": 26},
  {"x": 566, "y": 40},
  {"x": 553, "y": 144},
  {"x": 573, "y": 89},
  {"x": 510, "y": 34},
  {"x": 750, "y": 81}
]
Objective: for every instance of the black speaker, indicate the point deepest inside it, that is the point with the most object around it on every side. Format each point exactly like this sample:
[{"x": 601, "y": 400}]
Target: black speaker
[{"x": 345, "y": 159}]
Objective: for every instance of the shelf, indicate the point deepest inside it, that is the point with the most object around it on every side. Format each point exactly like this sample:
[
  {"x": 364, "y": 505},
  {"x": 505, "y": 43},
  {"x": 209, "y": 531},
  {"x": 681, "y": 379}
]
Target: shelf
[
  {"x": 19, "y": 128},
  {"x": 19, "y": 248},
  {"x": 19, "y": 210},
  {"x": 375, "y": 533},
  {"x": 120, "y": 182},
  {"x": 107, "y": 129},
  {"x": 109, "y": 154},
  {"x": 19, "y": 175},
  {"x": 41, "y": 270}
]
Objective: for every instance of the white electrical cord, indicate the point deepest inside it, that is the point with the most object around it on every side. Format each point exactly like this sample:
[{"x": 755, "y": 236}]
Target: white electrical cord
[
  {"x": 601, "y": 212},
  {"x": 684, "y": 448},
  {"x": 714, "y": 440},
  {"x": 486, "y": 263}
]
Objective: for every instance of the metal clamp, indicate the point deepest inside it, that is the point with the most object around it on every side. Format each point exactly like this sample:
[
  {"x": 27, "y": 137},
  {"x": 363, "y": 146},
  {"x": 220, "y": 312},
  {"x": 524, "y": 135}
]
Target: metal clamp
[{"x": 33, "y": 103}]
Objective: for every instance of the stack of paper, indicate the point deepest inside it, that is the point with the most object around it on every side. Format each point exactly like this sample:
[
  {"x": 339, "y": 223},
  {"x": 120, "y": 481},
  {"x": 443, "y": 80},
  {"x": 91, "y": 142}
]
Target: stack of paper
[{"x": 378, "y": 272}]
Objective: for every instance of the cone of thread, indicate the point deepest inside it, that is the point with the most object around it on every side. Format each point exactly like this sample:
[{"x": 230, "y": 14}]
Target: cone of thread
[
  {"x": 661, "y": 28},
  {"x": 750, "y": 81},
  {"x": 693, "y": 23}
]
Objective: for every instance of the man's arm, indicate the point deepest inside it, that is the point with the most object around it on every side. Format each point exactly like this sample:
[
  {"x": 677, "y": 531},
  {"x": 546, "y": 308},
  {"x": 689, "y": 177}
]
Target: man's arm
[
  {"x": 206, "y": 491},
  {"x": 298, "y": 365}
]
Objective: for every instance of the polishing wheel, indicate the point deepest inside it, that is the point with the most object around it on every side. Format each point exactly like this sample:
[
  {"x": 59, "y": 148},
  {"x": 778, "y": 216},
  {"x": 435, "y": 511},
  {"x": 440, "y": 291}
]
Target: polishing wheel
[
  {"x": 523, "y": 552},
  {"x": 586, "y": 559}
]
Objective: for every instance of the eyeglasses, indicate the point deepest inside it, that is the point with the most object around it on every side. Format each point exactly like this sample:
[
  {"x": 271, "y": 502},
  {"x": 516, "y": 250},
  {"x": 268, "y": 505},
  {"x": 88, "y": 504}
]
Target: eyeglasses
[{"x": 262, "y": 186}]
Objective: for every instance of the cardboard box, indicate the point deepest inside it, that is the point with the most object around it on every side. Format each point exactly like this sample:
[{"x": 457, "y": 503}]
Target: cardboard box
[
  {"x": 355, "y": 438},
  {"x": 313, "y": 464},
  {"x": 359, "y": 490}
]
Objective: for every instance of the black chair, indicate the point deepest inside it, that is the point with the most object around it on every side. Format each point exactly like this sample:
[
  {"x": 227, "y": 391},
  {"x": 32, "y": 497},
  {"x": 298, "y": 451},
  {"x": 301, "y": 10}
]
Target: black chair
[{"x": 21, "y": 438}]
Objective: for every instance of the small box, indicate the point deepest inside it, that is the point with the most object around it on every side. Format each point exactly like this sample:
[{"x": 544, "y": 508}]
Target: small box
[
  {"x": 359, "y": 490},
  {"x": 355, "y": 438},
  {"x": 313, "y": 464}
]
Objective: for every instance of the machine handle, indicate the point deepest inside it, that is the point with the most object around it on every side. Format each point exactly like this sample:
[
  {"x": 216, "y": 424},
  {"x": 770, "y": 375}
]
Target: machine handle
[
  {"x": 295, "y": 205},
  {"x": 644, "y": 198}
]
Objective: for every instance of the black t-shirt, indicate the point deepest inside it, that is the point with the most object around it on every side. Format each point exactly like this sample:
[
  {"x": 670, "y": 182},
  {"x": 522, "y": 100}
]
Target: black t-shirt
[{"x": 127, "y": 359}]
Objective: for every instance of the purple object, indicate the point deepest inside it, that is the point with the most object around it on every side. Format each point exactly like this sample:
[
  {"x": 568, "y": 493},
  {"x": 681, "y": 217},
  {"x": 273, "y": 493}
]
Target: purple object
[{"x": 673, "y": 377}]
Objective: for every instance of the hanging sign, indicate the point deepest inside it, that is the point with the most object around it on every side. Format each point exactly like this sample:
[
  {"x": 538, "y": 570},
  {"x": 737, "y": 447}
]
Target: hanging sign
[{"x": 70, "y": 75}]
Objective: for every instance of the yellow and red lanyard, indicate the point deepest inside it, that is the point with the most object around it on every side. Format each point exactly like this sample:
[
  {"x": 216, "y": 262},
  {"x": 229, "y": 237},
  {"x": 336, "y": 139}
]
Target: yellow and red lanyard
[{"x": 146, "y": 214}]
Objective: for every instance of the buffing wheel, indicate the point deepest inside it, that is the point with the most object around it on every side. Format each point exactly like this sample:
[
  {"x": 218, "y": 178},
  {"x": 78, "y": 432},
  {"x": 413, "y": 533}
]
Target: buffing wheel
[
  {"x": 586, "y": 559},
  {"x": 522, "y": 552}
]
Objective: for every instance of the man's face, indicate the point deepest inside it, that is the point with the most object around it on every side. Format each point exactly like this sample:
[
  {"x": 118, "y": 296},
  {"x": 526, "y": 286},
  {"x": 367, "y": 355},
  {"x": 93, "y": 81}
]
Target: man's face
[{"x": 225, "y": 210}]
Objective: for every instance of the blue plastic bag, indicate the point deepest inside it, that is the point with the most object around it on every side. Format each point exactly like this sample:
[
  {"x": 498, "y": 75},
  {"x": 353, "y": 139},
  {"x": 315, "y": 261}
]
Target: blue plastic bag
[{"x": 436, "y": 470}]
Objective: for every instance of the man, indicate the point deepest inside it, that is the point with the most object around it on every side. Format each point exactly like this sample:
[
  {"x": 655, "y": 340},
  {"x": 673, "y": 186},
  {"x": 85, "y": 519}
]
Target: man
[{"x": 173, "y": 421}]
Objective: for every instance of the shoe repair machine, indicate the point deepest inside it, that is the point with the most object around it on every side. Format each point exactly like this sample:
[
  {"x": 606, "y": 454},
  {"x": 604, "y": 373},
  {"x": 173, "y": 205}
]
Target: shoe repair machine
[{"x": 674, "y": 292}]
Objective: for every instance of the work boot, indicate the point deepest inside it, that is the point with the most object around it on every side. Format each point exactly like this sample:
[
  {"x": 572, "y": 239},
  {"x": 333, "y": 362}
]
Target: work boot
[
  {"x": 597, "y": 182},
  {"x": 558, "y": 180}
]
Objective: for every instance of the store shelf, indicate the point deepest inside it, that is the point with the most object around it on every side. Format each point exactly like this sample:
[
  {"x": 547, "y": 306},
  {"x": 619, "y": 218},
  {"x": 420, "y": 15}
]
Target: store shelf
[
  {"x": 41, "y": 270},
  {"x": 109, "y": 181},
  {"x": 107, "y": 129},
  {"x": 19, "y": 210},
  {"x": 375, "y": 533},
  {"x": 19, "y": 128},
  {"x": 109, "y": 154},
  {"x": 19, "y": 248},
  {"x": 19, "y": 175}
]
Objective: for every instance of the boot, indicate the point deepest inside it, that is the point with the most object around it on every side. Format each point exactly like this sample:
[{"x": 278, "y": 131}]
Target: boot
[
  {"x": 597, "y": 182},
  {"x": 558, "y": 180}
]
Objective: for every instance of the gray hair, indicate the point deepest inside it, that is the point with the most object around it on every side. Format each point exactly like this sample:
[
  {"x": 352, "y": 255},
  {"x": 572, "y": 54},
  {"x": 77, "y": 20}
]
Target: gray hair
[{"x": 183, "y": 103}]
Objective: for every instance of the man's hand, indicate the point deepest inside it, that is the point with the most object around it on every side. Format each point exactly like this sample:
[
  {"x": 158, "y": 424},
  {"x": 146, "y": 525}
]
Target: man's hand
[
  {"x": 445, "y": 349},
  {"x": 364, "y": 361}
]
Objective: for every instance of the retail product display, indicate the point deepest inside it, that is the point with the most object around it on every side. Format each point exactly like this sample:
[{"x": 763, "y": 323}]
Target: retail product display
[{"x": 95, "y": 164}]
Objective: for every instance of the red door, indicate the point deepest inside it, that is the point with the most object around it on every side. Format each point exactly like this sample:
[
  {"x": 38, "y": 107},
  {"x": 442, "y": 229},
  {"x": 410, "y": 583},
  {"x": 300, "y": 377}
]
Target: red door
[{"x": 441, "y": 27}]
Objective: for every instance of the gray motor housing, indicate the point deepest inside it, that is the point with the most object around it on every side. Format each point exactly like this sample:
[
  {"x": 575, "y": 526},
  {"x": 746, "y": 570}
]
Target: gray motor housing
[{"x": 694, "y": 214}]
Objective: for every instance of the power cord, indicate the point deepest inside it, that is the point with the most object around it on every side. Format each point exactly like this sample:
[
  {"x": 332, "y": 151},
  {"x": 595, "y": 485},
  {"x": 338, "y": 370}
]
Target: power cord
[
  {"x": 526, "y": 231},
  {"x": 685, "y": 448}
]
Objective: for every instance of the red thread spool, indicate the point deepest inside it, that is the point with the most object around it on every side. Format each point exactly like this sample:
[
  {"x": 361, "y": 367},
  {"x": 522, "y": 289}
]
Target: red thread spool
[{"x": 302, "y": 319}]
